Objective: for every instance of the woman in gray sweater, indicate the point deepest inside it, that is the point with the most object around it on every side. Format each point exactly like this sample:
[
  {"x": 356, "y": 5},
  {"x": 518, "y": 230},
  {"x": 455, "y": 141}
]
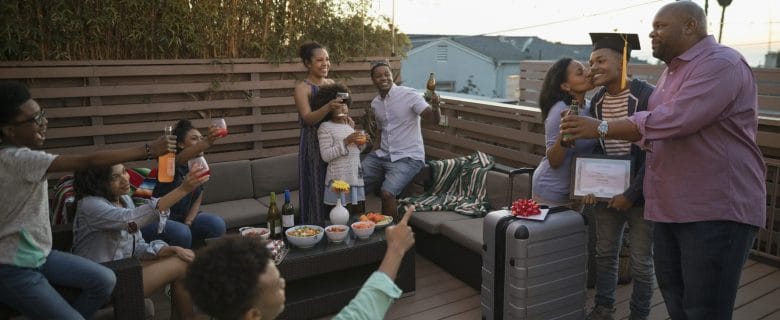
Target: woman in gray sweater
[{"x": 106, "y": 228}]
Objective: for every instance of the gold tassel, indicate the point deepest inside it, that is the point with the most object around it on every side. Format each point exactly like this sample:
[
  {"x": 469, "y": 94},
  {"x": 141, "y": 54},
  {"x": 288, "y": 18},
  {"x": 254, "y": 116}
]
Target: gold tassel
[{"x": 624, "y": 70}]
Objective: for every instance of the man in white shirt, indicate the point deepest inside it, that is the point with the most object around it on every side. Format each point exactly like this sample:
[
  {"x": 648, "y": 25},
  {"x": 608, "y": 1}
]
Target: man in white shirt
[{"x": 399, "y": 152}]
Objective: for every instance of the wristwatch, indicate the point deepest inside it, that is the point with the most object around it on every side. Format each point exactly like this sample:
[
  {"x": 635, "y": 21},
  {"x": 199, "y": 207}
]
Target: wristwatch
[{"x": 603, "y": 128}]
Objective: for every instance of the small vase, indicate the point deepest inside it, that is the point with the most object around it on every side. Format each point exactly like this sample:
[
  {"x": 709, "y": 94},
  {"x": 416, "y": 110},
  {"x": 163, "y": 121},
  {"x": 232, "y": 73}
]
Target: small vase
[{"x": 339, "y": 214}]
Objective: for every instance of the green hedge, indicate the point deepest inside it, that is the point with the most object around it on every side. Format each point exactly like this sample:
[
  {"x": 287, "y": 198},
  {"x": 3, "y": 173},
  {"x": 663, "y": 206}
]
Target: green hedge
[{"x": 189, "y": 29}]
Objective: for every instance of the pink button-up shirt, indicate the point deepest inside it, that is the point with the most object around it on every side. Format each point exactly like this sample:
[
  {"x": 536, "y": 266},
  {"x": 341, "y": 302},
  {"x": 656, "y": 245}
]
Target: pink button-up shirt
[{"x": 703, "y": 162}]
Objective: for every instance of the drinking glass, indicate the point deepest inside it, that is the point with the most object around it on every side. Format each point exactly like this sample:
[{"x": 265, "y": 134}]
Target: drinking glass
[
  {"x": 361, "y": 140},
  {"x": 199, "y": 162},
  {"x": 345, "y": 99},
  {"x": 221, "y": 126}
]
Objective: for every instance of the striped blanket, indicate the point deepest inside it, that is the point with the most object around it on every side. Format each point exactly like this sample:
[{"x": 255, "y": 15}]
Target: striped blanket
[{"x": 458, "y": 185}]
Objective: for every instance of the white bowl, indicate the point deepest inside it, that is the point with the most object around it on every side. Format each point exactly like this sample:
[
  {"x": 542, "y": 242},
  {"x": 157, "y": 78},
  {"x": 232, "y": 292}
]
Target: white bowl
[
  {"x": 363, "y": 233},
  {"x": 337, "y": 236},
  {"x": 305, "y": 241},
  {"x": 262, "y": 233}
]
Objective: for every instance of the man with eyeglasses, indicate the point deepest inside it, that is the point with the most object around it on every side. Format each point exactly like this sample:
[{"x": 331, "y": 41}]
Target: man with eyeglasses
[{"x": 28, "y": 265}]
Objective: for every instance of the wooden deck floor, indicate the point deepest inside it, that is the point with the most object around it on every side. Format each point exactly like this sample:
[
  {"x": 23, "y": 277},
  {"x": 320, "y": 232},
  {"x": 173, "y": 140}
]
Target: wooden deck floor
[{"x": 439, "y": 295}]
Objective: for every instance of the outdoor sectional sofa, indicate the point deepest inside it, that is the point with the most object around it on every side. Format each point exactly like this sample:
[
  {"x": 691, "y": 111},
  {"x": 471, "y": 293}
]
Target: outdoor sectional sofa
[
  {"x": 454, "y": 241},
  {"x": 238, "y": 191}
]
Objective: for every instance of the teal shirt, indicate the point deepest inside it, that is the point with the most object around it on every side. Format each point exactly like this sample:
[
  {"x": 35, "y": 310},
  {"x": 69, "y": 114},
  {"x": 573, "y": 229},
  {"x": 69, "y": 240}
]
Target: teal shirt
[{"x": 373, "y": 299}]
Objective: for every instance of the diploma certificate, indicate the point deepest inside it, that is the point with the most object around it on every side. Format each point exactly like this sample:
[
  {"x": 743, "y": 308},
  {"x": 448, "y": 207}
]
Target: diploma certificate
[{"x": 602, "y": 176}]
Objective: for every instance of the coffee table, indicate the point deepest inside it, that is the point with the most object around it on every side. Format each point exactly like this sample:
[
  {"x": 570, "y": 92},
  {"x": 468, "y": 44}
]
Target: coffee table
[{"x": 323, "y": 279}]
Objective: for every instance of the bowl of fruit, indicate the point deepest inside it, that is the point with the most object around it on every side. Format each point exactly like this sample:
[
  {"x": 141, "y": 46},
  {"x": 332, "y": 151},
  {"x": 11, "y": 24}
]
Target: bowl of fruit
[
  {"x": 252, "y": 232},
  {"x": 337, "y": 232},
  {"x": 379, "y": 219},
  {"x": 363, "y": 229},
  {"x": 304, "y": 236}
]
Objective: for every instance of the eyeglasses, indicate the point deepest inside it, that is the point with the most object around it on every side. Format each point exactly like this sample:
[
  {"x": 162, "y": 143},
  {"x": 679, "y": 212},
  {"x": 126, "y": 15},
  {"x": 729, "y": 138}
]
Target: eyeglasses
[{"x": 36, "y": 118}]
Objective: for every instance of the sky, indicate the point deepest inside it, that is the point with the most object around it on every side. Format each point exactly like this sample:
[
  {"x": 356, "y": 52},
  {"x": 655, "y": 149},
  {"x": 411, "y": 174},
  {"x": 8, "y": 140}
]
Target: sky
[{"x": 750, "y": 26}]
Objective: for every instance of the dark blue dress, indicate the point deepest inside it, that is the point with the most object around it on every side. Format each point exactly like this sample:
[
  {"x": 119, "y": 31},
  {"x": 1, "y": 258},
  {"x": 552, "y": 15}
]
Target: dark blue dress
[{"x": 311, "y": 173}]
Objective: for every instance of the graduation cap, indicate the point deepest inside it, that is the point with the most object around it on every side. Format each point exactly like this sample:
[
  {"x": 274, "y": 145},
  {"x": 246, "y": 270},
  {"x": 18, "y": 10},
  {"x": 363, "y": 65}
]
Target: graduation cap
[{"x": 623, "y": 43}]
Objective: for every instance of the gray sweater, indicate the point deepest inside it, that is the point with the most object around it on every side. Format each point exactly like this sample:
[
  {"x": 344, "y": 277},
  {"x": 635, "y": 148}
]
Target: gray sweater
[{"x": 343, "y": 161}]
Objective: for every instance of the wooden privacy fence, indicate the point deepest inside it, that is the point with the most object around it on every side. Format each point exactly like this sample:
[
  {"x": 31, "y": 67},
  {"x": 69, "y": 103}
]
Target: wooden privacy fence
[
  {"x": 111, "y": 104},
  {"x": 768, "y": 80}
]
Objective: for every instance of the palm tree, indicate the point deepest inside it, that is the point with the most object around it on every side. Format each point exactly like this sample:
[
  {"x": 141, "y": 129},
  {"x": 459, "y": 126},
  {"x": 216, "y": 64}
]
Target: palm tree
[{"x": 724, "y": 4}]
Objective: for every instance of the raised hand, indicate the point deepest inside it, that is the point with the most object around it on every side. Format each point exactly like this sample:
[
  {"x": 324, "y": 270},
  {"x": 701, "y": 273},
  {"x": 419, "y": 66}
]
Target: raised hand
[
  {"x": 162, "y": 145},
  {"x": 195, "y": 178}
]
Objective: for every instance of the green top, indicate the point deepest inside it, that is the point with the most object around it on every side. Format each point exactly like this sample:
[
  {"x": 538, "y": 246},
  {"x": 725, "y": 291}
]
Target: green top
[{"x": 373, "y": 299}]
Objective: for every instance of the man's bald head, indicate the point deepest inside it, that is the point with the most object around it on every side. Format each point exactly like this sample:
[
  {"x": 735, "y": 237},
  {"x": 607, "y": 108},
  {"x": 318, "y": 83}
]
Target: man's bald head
[{"x": 677, "y": 27}]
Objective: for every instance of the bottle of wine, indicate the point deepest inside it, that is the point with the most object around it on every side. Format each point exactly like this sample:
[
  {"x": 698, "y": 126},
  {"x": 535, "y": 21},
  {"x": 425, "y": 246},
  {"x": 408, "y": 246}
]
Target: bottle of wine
[
  {"x": 274, "y": 219},
  {"x": 574, "y": 109},
  {"x": 166, "y": 164},
  {"x": 288, "y": 212}
]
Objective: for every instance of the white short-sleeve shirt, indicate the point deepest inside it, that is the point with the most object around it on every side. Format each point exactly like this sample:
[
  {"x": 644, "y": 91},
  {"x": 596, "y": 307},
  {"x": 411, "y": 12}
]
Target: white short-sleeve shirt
[{"x": 398, "y": 117}]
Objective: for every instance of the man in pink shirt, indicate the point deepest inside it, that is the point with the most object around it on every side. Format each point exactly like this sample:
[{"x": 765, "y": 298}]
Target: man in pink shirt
[{"x": 704, "y": 181}]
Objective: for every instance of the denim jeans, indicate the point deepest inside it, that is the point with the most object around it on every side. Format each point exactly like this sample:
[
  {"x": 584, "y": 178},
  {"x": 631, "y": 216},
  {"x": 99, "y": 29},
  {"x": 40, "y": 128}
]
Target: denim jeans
[
  {"x": 698, "y": 265},
  {"x": 175, "y": 233},
  {"x": 381, "y": 174},
  {"x": 205, "y": 225},
  {"x": 30, "y": 291},
  {"x": 610, "y": 226}
]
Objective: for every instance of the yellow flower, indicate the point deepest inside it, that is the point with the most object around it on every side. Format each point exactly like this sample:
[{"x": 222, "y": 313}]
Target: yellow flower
[{"x": 339, "y": 186}]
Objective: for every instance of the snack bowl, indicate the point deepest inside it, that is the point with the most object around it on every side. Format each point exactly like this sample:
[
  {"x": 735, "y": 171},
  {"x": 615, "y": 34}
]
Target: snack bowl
[
  {"x": 252, "y": 232},
  {"x": 363, "y": 229},
  {"x": 304, "y": 236},
  {"x": 337, "y": 232}
]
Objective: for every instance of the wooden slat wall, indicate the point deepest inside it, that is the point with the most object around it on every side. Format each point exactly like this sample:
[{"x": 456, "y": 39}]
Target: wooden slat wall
[
  {"x": 768, "y": 81},
  {"x": 112, "y": 104}
]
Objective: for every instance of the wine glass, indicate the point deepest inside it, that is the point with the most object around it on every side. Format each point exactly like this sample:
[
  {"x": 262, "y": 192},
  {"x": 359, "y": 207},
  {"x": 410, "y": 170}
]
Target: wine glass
[
  {"x": 197, "y": 163},
  {"x": 221, "y": 127},
  {"x": 345, "y": 99}
]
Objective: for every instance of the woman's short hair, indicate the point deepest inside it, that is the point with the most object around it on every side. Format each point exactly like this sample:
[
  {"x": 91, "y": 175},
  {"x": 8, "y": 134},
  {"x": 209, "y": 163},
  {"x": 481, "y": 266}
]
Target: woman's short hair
[
  {"x": 306, "y": 51},
  {"x": 325, "y": 94},
  {"x": 93, "y": 182},
  {"x": 224, "y": 277},
  {"x": 13, "y": 94}
]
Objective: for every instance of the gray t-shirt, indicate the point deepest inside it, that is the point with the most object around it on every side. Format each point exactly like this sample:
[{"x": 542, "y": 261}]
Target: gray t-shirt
[{"x": 25, "y": 229}]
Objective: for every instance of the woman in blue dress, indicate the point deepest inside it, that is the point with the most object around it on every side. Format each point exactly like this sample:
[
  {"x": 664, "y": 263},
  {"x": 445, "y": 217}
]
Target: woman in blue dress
[{"x": 311, "y": 168}]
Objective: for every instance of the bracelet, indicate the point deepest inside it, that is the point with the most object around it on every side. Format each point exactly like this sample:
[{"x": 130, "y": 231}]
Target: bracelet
[{"x": 148, "y": 151}]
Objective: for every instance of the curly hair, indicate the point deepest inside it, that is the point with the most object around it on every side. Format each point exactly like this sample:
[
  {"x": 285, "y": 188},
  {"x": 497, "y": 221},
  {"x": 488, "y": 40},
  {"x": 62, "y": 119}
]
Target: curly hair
[
  {"x": 180, "y": 131},
  {"x": 93, "y": 182},
  {"x": 13, "y": 94},
  {"x": 551, "y": 87},
  {"x": 223, "y": 279},
  {"x": 306, "y": 51},
  {"x": 325, "y": 94}
]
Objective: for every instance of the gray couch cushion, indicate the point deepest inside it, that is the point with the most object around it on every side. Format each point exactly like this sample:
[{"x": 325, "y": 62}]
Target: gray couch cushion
[
  {"x": 430, "y": 221},
  {"x": 467, "y": 233},
  {"x": 239, "y": 213},
  {"x": 274, "y": 174},
  {"x": 230, "y": 180},
  {"x": 497, "y": 185},
  {"x": 266, "y": 201}
]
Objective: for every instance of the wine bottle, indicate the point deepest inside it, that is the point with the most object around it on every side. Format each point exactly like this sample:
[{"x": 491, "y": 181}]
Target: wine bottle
[
  {"x": 166, "y": 164},
  {"x": 274, "y": 219},
  {"x": 573, "y": 110},
  {"x": 288, "y": 212}
]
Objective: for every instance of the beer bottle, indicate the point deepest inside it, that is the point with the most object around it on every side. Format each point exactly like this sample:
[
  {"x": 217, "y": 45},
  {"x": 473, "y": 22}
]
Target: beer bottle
[
  {"x": 573, "y": 110},
  {"x": 288, "y": 212},
  {"x": 274, "y": 219},
  {"x": 431, "y": 85}
]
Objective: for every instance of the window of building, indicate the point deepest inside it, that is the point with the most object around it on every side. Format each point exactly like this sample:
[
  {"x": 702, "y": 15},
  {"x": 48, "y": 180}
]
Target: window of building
[
  {"x": 441, "y": 53},
  {"x": 447, "y": 86}
]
